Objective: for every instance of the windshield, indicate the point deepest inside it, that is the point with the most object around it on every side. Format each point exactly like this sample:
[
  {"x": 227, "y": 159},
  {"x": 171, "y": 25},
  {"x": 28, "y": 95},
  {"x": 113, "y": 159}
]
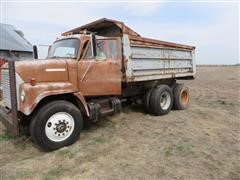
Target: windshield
[{"x": 66, "y": 48}]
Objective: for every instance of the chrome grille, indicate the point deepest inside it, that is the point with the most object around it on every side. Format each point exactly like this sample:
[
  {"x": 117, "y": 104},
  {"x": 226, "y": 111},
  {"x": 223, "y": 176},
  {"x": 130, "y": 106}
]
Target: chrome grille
[{"x": 6, "y": 88}]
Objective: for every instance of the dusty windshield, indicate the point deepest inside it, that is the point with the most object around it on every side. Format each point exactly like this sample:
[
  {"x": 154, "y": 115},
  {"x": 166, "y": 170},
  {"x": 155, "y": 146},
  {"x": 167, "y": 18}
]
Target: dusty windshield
[{"x": 66, "y": 48}]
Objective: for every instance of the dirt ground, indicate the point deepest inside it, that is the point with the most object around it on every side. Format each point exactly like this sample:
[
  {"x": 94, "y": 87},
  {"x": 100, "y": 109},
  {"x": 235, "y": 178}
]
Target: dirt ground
[{"x": 202, "y": 142}]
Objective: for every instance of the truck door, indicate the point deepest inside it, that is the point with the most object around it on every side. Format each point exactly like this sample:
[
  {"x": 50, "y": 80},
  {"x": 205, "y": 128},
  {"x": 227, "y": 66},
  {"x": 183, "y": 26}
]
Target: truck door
[{"x": 101, "y": 75}]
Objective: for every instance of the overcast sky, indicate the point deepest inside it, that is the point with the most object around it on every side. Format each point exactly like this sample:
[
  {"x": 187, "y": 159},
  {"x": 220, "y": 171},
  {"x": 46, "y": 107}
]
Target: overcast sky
[{"x": 212, "y": 27}]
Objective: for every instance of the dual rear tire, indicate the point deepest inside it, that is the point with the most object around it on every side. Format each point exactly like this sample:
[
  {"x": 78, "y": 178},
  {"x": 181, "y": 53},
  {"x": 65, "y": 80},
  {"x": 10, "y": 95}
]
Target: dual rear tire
[
  {"x": 181, "y": 97},
  {"x": 160, "y": 100}
]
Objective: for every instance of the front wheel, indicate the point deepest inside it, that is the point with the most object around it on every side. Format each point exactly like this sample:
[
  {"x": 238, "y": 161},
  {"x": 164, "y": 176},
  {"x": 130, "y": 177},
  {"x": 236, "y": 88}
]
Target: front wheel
[{"x": 55, "y": 125}]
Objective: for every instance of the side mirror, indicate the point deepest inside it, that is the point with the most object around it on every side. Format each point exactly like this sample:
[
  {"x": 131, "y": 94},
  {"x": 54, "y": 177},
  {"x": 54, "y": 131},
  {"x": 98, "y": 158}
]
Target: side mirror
[
  {"x": 49, "y": 48},
  {"x": 35, "y": 52},
  {"x": 94, "y": 46}
]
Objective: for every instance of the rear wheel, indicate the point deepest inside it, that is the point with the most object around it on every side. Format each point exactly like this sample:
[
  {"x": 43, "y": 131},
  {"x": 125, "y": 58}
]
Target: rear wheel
[
  {"x": 55, "y": 125},
  {"x": 161, "y": 100},
  {"x": 181, "y": 96}
]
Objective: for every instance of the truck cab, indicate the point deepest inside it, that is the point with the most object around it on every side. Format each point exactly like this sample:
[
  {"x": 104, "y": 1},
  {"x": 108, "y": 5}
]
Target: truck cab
[{"x": 89, "y": 74}]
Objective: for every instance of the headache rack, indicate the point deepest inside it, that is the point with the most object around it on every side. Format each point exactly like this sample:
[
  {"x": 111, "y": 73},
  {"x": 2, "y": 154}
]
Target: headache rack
[{"x": 9, "y": 116}]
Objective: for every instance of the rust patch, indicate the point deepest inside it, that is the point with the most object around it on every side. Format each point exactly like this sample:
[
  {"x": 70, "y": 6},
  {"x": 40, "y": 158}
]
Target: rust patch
[
  {"x": 101, "y": 24},
  {"x": 34, "y": 94},
  {"x": 152, "y": 42},
  {"x": 53, "y": 70},
  {"x": 72, "y": 72},
  {"x": 82, "y": 100},
  {"x": 99, "y": 77}
]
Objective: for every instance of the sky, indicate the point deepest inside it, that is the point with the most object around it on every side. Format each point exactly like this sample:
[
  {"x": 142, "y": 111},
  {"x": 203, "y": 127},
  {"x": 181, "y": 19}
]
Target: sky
[{"x": 213, "y": 27}]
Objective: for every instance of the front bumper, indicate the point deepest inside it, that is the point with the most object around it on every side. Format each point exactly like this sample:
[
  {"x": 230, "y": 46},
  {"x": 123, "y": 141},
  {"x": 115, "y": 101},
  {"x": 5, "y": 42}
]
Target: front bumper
[
  {"x": 9, "y": 120},
  {"x": 9, "y": 117}
]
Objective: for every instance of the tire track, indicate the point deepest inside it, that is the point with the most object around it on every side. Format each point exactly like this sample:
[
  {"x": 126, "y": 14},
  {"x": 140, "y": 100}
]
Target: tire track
[{"x": 203, "y": 93}]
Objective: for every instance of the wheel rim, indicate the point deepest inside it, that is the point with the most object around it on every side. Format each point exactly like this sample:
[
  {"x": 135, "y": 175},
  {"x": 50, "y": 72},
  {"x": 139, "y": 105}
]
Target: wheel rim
[
  {"x": 165, "y": 100},
  {"x": 59, "y": 126},
  {"x": 185, "y": 97}
]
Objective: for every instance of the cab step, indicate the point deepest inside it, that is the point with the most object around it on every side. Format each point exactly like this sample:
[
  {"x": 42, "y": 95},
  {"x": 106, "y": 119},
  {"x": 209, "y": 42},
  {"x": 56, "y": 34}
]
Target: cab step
[{"x": 104, "y": 106}]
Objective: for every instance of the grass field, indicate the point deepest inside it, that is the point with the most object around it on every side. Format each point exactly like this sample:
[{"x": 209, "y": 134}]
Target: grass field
[{"x": 201, "y": 142}]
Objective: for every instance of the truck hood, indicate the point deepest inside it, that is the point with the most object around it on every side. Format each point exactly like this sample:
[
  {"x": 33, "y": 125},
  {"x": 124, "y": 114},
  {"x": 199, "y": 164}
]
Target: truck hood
[{"x": 49, "y": 70}]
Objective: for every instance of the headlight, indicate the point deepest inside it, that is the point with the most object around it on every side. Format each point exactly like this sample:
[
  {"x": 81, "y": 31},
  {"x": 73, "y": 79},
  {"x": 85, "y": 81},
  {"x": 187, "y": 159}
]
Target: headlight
[{"x": 22, "y": 95}]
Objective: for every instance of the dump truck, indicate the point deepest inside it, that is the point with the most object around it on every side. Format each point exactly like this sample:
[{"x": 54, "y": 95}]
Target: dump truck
[{"x": 90, "y": 71}]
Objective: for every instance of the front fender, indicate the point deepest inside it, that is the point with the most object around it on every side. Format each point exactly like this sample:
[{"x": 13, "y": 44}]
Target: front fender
[
  {"x": 83, "y": 102},
  {"x": 34, "y": 94}
]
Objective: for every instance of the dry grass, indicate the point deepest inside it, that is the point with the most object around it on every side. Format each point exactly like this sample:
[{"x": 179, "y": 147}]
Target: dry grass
[{"x": 201, "y": 142}]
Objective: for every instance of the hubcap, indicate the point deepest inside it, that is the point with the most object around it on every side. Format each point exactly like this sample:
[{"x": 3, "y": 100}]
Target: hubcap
[
  {"x": 165, "y": 100},
  {"x": 59, "y": 126}
]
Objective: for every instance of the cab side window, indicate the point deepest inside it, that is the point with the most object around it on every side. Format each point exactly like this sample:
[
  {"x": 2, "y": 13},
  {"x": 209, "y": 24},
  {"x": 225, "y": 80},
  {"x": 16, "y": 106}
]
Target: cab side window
[
  {"x": 112, "y": 51},
  {"x": 89, "y": 54},
  {"x": 101, "y": 50},
  {"x": 106, "y": 49}
]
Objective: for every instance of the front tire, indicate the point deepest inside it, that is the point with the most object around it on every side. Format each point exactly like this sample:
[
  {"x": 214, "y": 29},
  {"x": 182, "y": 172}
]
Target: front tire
[{"x": 55, "y": 125}]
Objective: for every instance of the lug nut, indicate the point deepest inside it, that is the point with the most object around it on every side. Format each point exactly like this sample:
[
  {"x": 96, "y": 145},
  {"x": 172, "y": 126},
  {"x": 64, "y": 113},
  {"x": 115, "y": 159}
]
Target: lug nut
[{"x": 49, "y": 124}]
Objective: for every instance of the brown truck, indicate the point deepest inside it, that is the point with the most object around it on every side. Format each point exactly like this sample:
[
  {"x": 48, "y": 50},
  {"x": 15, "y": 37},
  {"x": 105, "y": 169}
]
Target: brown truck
[{"x": 89, "y": 72}]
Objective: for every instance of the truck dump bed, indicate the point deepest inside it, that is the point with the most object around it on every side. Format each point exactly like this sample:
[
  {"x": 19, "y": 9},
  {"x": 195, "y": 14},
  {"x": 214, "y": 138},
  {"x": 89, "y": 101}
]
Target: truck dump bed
[{"x": 147, "y": 59}]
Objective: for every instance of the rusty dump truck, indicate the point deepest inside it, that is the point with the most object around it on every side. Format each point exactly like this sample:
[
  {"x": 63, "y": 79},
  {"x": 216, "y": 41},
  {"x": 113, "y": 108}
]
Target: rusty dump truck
[{"x": 89, "y": 72}]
